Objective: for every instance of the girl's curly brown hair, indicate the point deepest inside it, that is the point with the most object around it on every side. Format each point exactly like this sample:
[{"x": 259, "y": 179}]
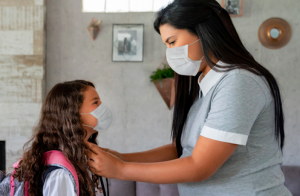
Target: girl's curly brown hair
[{"x": 59, "y": 128}]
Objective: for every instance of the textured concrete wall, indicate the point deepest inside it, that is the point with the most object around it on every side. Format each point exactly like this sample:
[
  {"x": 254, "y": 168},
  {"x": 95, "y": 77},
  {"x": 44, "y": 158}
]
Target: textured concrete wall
[
  {"x": 141, "y": 118},
  {"x": 283, "y": 62},
  {"x": 22, "y": 72}
]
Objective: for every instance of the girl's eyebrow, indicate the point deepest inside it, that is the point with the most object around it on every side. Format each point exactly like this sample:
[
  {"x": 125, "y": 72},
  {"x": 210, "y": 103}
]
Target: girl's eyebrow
[{"x": 96, "y": 98}]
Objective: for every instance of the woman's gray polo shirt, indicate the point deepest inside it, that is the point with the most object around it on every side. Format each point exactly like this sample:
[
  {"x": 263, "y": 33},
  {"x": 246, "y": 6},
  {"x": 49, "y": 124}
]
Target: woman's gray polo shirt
[{"x": 236, "y": 107}]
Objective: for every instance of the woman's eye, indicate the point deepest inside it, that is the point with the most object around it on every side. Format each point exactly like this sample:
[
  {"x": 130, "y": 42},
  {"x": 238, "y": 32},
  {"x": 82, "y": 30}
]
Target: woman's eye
[
  {"x": 96, "y": 102},
  {"x": 172, "y": 43}
]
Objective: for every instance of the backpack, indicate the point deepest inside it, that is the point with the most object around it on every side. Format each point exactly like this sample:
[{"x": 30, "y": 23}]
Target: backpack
[{"x": 54, "y": 159}]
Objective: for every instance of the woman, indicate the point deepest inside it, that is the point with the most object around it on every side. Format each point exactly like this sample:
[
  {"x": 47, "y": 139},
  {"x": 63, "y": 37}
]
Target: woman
[
  {"x": 228, "y": 134},
  {"x": 68, "y": 117}
]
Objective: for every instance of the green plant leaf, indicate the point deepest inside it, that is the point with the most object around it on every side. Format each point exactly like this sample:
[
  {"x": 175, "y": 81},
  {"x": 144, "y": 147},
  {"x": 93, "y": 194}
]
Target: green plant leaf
[{"x": 159, "y": 74}]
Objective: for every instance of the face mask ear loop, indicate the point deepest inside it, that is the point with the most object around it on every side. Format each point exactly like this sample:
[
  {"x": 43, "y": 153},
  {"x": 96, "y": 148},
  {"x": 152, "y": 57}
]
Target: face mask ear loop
[
  {"x": 194, "y": 42},
  {"x": 87, "y": 126}
]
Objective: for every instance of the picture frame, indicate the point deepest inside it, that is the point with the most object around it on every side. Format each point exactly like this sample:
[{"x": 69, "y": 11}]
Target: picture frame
[
  {"x": 233, "y": 7},
  {"x": 128, "y": 43}
]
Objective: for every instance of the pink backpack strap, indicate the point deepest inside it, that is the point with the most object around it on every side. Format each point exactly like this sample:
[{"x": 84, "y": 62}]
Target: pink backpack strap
[
  {"x": 50, "y": 157},
  {"x": 12, "y": 182},
  {"x": 57, "y": 157}
]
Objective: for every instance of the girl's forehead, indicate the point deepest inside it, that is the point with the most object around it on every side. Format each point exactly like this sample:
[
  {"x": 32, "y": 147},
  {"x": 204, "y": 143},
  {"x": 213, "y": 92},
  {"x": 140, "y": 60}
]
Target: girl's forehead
[{"x": 91, "y": 93}]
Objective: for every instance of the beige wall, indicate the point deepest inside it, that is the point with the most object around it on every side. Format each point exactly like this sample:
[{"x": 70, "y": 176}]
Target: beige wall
[{"x": 22, "y": 71}]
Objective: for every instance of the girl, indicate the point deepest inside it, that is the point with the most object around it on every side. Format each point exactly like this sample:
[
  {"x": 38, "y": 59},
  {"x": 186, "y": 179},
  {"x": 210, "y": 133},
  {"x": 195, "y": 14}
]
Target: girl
[
  {"x": 228, "y": 130},
  {"x": 71, "y": 114}
]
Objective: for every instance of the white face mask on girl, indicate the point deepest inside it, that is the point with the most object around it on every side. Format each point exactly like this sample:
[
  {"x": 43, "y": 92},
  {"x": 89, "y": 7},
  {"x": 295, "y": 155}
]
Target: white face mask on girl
[
  {"x": 180, "y": 62},
  {"x": 103, "y": 116}
]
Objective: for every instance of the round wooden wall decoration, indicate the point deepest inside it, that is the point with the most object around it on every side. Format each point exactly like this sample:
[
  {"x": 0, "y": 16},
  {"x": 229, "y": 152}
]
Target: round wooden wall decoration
[{"x": 274, "y": 33}]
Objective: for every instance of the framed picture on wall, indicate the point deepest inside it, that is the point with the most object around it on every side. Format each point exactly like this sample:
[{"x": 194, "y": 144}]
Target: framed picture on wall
[
  {"x": 128, "y": 42},
  {"x": 233, "y": 7}
]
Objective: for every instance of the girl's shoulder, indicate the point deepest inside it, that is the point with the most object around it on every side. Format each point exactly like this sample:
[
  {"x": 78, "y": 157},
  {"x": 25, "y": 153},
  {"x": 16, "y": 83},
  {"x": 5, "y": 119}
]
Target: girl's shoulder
[{"x": 58, "y": 181}]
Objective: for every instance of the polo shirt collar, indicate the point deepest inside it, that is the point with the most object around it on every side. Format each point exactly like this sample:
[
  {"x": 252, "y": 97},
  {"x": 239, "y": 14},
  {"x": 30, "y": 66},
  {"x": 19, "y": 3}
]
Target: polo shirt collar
[{"x": 211, "y": 78}]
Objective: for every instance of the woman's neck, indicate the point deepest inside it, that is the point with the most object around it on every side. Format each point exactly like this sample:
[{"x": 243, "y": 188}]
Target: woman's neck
[{"x": 207, "y": 69}]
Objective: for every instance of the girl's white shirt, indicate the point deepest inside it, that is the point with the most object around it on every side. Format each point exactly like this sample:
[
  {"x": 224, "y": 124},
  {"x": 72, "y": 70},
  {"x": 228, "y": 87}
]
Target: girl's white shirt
[{"x": 59, "y": 183}]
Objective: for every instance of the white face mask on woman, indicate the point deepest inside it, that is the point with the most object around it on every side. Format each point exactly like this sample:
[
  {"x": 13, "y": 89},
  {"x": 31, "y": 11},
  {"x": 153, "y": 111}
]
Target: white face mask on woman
[
  {"x": 180, "y": 62},
  {"x": 103, "y": 116}
]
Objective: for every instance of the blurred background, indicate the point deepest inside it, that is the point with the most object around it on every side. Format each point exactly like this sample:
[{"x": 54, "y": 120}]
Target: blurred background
[{"x": 46, "y": 42}]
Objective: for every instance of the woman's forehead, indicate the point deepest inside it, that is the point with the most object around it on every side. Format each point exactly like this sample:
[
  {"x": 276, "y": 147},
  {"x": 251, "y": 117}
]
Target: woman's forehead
[{"x": 167, "y": 30}]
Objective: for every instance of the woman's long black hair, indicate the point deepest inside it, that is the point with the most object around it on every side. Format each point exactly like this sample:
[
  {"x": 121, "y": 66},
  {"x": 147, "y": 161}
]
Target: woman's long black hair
[{"x": 218, "y": 36}]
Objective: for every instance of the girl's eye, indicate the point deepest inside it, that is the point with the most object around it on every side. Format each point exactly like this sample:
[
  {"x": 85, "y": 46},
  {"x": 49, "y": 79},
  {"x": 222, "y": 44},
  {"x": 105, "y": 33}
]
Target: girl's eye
[
  {"x": 172, "y": 43},
  {"x": 96, "y": 102}
]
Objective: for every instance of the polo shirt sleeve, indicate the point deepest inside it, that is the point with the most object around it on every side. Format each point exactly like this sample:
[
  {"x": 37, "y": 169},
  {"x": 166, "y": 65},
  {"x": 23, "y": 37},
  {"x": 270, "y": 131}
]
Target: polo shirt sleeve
[{"x": 235, "y": 105}]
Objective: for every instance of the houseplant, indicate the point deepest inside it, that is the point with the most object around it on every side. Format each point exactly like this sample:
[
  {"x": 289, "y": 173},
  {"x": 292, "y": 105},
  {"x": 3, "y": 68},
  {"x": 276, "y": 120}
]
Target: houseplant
[{"x": 165, "y": 84}]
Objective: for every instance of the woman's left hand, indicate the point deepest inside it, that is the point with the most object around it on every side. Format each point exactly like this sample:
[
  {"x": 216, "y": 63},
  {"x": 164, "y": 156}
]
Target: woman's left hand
[{"x": 103, "y": 163}]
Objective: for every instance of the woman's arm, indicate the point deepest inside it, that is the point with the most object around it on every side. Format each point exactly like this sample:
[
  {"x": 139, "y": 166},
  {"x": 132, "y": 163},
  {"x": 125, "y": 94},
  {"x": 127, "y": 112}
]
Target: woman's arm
[
  {"x": 164, "y": 153},
  {"x": 207, "y": 157}
]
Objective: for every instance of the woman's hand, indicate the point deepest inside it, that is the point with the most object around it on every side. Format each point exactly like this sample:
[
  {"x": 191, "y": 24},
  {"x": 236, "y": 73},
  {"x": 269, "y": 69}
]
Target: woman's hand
[
  {"x": 115, "y": 153},
  {"x": 207, "y": 157},
  {"x": 103, "y": 163}
]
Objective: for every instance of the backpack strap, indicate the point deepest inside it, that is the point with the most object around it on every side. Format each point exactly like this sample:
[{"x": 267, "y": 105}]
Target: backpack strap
[
  {"x": 47, "y": 172},
  {"x": 12, "y": 182},
  {"x": 50, "y": 157},
  {"x": 57, "y": 157}
]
